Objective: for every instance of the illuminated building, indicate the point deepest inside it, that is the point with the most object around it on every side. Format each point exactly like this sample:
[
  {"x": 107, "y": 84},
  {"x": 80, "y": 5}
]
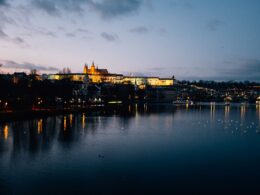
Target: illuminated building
[
  {"x": 96, "y": 75},
  {"x": 93, "y": 70}
]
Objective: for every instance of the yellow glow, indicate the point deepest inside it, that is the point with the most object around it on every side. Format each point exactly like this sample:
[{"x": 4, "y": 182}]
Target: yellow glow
[
  {"x": 242, "y": 112},
  {"x": 212, "y": 110},
  {"x": 258, "y": 112},
  {"x": 6, "y": 131},
  {"x": 187, "y": 106},
  {"x": 115, "y": 102},
  {"x": 65, "y": 123},
  {"x": 227, "y": 110},
  {"x": 39, "y": 126},
  {"x": 83, "y": 121},
  {"x": 71, "y": 118}
]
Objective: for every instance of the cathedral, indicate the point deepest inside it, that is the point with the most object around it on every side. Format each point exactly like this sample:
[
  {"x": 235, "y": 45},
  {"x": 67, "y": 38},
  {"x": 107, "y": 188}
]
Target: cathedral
[{"x": 94, "y": 70}]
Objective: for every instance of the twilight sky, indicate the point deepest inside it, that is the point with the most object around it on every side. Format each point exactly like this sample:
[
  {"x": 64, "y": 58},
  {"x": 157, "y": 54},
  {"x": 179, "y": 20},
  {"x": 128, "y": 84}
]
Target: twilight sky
[{"x": 191, "y": 39}]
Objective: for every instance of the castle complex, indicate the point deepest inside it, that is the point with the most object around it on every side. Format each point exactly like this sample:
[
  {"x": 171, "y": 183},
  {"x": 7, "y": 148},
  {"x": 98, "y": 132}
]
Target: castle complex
[{"x": 96, "y": 75}]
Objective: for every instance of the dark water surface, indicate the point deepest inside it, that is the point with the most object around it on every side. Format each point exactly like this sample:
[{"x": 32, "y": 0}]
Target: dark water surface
[{"x": 139, "y": 149}]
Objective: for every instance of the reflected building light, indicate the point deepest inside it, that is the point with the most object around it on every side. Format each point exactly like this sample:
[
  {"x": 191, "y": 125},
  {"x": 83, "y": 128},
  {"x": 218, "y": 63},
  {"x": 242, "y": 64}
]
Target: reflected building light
[
  {"x": 212, "y": 110},
  {"x": 129, "y": 108},
  {"x": 187, "y": 106},
  {"x": 65, "y": 123},
  {"x": 39, "y": 126},
  {"x": 227, "y": 110},
  {"x": 258, "y": 113},
  {"x": 83, "y": 121},
  {"x": 242, "y": 113},
  {"x": 6, "y": 131},
  {"x": 71, "y": 118},
  {"x": 136, "y": 109}
]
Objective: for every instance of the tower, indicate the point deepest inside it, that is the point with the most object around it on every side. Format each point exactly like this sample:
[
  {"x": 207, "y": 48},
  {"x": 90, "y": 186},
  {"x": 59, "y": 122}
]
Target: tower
[
  {"x": 92, "y": 68},
  {"x": 85, "y": 70}
]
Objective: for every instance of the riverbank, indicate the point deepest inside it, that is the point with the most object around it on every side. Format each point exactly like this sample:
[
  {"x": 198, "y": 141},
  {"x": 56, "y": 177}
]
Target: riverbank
[{"x": 10, "y": 115}]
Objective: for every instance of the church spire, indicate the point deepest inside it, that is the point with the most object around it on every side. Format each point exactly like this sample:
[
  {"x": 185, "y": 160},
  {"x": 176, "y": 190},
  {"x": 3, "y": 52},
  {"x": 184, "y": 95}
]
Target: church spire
[
  {"x": 85, "y": 70},
  {"x": 92, "y": 68}
]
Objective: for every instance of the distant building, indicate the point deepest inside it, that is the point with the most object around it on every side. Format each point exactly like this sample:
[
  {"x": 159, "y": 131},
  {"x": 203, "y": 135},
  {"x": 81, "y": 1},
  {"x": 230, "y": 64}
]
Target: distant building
[
  {"x": 19, "y": 76},
  {"x": 96, "y": 75},
  {"x": 94, "y": 70}
]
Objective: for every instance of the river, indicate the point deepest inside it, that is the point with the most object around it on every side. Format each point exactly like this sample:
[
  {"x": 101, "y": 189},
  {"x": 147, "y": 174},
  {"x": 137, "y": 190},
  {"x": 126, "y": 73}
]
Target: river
[{"x": 135, "y": 149}]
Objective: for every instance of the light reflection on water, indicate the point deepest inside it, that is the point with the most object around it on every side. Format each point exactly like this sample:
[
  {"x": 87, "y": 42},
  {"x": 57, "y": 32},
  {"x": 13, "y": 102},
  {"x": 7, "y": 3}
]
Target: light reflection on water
[{"x": 139, "y": 148}]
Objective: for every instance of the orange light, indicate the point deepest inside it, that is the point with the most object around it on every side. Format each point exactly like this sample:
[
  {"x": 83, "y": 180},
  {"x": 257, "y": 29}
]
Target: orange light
[
  {"x": 39, "y": 126},
  {"x": 71, "y": 117},
  {"x": 64, "y": 123},
  {"x": 6, "y": 130},
  {"x": 83, "y": 121}
]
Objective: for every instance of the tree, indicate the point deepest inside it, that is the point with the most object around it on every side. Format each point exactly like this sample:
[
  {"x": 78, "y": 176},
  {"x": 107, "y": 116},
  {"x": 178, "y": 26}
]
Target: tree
[
  {"x": 33, "y": 72},
  {"x": 65, "y": 71}
]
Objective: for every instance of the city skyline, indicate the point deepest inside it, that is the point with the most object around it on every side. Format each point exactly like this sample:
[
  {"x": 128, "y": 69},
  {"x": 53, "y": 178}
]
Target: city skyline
[{"x": 186, "y": 38}]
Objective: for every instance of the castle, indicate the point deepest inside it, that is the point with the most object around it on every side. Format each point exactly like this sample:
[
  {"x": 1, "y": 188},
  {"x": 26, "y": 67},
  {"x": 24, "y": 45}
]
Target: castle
[
  {"x": 94, "y": 70},
  {"x": 97, "y": 75}
]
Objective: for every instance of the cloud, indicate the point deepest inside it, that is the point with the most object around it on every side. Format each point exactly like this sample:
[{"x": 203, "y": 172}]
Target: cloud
[
  {"x": 162, "y": 31},
  {"x": 48, "y": 6},
  {"x": 78, "y": 31},
  {"x": 106, "y": 8},
  {"x": 139, "y": 30},
  {"x": 232, "y": 69},
  {"x": 214, "y": 24},
  {"x": 70, "y": 34},
  {"x": 3, "y": 35},
  {"x": 26, "y": 66},
  {"x": 38, "y": 31},
  {"x": 46, "y": 33},
  {"x": 3, "y": 2},
  {"x": 55, "y": 7},
  {"x": 109, "y": 37},
  {"x": 4, "y": 19},
  {"x": 181, "y": 3},
  {"x": 16, "y": 40},
  {"x": 113, "y": 8},
  {"x": 240, "y": 69},
  {"x": 82, "y": 30}
]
